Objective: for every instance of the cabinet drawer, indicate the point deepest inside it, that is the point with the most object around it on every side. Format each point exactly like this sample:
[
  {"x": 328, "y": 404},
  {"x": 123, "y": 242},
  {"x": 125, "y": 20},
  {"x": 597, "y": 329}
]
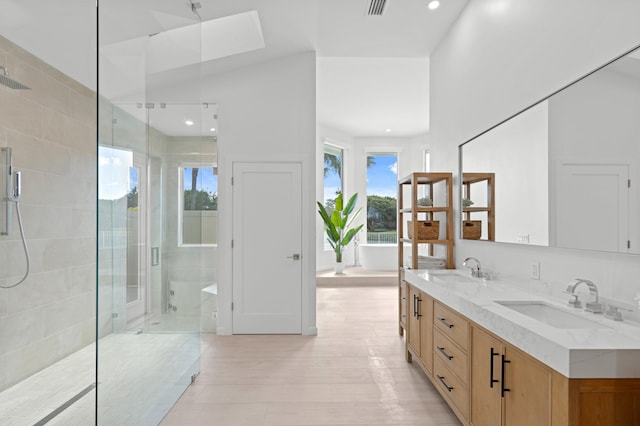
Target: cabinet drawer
[
  {"x": 451, "y": 387},
  {"x": 452, "y": 325},
  {"x": 451, "y": 355}
]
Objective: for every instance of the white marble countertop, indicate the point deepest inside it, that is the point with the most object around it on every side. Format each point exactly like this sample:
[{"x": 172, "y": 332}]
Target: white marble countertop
[{"x": 603, "y": 348}]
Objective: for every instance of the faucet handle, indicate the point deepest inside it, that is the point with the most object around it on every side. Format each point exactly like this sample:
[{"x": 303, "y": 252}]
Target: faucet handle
[
  {"x": 614, "y": 313},
  {"x": 574, "y": 302}
]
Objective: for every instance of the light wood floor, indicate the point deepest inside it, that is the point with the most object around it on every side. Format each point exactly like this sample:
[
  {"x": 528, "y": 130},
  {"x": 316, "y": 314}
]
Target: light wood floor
[{"x": 352, "y": 373}]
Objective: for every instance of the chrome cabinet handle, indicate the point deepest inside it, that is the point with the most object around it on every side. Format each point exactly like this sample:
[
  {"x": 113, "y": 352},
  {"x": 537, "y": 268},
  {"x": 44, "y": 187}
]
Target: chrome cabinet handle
[{"x": 296, "y": 256}]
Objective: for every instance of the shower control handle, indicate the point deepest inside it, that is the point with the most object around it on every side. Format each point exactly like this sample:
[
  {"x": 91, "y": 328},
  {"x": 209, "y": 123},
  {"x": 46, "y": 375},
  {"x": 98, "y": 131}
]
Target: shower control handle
[{"x": 17, "y": 185}]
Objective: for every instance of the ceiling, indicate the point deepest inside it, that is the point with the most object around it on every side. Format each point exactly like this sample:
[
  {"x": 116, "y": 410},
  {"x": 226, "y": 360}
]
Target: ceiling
[{"x": 372, "y": 73}]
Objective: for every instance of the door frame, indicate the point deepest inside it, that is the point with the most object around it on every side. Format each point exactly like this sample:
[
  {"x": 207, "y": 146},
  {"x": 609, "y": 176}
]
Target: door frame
[
  {"x": 225, "y": 226},
  {"x": 139, "y": 308}
]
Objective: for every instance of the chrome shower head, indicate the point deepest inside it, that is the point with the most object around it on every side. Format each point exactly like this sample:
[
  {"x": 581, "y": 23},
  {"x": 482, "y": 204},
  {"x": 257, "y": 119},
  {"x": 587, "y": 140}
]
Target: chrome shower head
[{"x": 5, "y": 80}]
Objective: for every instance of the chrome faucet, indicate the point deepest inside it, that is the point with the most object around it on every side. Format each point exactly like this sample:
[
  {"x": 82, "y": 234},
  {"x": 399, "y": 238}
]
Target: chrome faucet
[
  {"x": 594, "y": 306},
  {"x": 475, "y": 271}
]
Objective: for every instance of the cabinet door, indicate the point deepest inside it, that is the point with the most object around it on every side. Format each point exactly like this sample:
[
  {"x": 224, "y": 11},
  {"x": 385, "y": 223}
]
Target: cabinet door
[
  {"x": 426, "y": 330},
  {"x": 528, "y": 401},
  {"x": 413, "y": 321},
  {"x": 486, "y": 403}
]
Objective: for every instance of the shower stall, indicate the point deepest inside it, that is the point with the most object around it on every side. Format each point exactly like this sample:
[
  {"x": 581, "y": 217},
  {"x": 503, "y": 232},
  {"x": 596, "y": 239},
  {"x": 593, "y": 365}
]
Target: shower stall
[{"x": 108, "y": 214}]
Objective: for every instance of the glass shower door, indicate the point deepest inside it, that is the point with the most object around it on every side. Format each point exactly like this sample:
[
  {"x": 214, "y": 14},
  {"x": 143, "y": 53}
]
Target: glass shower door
[{"x": 148, "y": 353}]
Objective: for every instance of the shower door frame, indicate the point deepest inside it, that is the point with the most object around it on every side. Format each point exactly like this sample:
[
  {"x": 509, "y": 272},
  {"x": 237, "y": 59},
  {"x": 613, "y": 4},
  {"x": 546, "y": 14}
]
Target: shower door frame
[{"x": 138, "y": 308}]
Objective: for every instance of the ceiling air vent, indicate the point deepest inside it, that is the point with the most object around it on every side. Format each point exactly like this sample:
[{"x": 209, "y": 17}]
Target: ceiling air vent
[{"x": 376, "y": 7}]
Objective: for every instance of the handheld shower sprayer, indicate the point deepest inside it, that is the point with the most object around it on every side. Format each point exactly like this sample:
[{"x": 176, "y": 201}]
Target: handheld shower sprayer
[{"x": 12, "y": 196}]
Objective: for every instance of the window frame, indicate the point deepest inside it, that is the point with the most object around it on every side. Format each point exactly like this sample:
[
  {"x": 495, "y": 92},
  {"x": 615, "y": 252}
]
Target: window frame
[
  {"x": 181, "y": 188},
  {"x": 379, "y": 152},
  {"x": 332, "y": 149}
]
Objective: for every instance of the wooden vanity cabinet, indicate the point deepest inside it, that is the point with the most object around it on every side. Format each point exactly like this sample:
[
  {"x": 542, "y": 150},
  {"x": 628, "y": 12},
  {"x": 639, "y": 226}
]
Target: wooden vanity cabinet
[
  {"x": 508, "y": 387},
  {"x": 420, "y": 328},
  {"x": 489, "y": 382}
]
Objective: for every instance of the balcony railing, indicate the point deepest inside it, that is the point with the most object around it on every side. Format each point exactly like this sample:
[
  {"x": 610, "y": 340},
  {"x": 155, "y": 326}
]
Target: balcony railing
[{"x": 385, "y": 237}]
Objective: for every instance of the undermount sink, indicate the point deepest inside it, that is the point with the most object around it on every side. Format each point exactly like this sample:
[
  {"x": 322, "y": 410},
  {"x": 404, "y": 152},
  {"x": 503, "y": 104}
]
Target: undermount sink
[
  {"x": 454, "y": 274},
  {"x": 549, "y": 314}
]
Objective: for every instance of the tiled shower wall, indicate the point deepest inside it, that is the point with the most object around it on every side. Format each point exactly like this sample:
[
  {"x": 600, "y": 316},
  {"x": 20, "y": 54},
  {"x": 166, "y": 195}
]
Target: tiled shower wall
[{"x": 51, "y": 130}]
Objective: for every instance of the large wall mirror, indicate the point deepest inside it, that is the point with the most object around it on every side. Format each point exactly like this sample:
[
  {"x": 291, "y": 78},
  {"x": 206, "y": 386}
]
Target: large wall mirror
[{"x": 563, "y": 172}]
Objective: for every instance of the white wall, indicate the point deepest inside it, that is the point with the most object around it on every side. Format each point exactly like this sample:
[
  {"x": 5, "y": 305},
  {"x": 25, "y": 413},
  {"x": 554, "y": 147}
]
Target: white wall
[
  {"x": 502, "y": 56},
  {"x": 267, "y": 113}
]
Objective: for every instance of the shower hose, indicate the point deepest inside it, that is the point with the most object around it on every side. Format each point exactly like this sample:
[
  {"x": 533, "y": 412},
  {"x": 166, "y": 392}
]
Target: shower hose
[{"x": 26, "y": 249}]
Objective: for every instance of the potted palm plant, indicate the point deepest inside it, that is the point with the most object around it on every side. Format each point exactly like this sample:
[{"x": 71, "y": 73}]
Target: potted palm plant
[{"x": 337, "y": 225}]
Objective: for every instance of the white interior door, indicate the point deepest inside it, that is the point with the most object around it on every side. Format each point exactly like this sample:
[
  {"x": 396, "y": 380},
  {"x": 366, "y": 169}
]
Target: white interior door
[
  {"x": 267, "y": 242},
  {"x": 593, "y": 207}
]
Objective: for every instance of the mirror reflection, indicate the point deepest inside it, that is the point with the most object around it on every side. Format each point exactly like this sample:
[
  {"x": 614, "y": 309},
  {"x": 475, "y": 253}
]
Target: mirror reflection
[{"x": 563, "y": 169}]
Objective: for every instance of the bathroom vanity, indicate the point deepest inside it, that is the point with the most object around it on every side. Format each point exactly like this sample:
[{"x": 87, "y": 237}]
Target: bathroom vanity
[{"x": 500, "y": 355}]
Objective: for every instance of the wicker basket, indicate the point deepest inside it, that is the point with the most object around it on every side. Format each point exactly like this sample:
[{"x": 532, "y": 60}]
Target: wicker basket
[
  {"x": 427, "y": 229},
  {"x": 471, "y": 229}
]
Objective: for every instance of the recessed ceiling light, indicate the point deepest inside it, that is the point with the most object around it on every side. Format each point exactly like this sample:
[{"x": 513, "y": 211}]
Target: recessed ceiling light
[
  {"x": 188, "y": 123},
  {"x": 213, "y": 129},
  {"x": 387, "y": 130},
  {"x": 434, "y": 4}
]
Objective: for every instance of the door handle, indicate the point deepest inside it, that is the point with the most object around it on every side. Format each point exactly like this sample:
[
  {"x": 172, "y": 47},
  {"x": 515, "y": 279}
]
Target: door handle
[
  {"x": 505, "y": 361},
  {"x": 296, "y": 256},
  {"x": 491, "y": 379}
]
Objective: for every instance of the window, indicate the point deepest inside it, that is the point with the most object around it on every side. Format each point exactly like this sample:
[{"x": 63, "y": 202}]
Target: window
[
  {"x": 382, "y": 196},
  {"x": 333, "y": 183},
  {"x": 427, "y": 160},
  {"x": 198, "y": 195}
]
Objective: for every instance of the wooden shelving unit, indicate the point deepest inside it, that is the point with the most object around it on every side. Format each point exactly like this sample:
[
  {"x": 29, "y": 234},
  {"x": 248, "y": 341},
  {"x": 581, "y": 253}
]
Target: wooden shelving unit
[
  {"x": 438, "y": 187},
  {"x": 469, "y": 180}
]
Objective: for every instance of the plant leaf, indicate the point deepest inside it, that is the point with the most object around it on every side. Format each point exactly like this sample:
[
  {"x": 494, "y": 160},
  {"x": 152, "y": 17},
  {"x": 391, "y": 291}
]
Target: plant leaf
[
  {"x": 350, "y": 204},
  {"x": 350, "y": 234},
  {"x": 352, "y": 218},
  {"x": 339, "y": 202}
]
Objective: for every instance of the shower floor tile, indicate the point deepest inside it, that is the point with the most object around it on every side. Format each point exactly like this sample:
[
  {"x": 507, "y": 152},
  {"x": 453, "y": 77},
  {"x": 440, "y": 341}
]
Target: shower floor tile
[{"x": 140, "y": 376}]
